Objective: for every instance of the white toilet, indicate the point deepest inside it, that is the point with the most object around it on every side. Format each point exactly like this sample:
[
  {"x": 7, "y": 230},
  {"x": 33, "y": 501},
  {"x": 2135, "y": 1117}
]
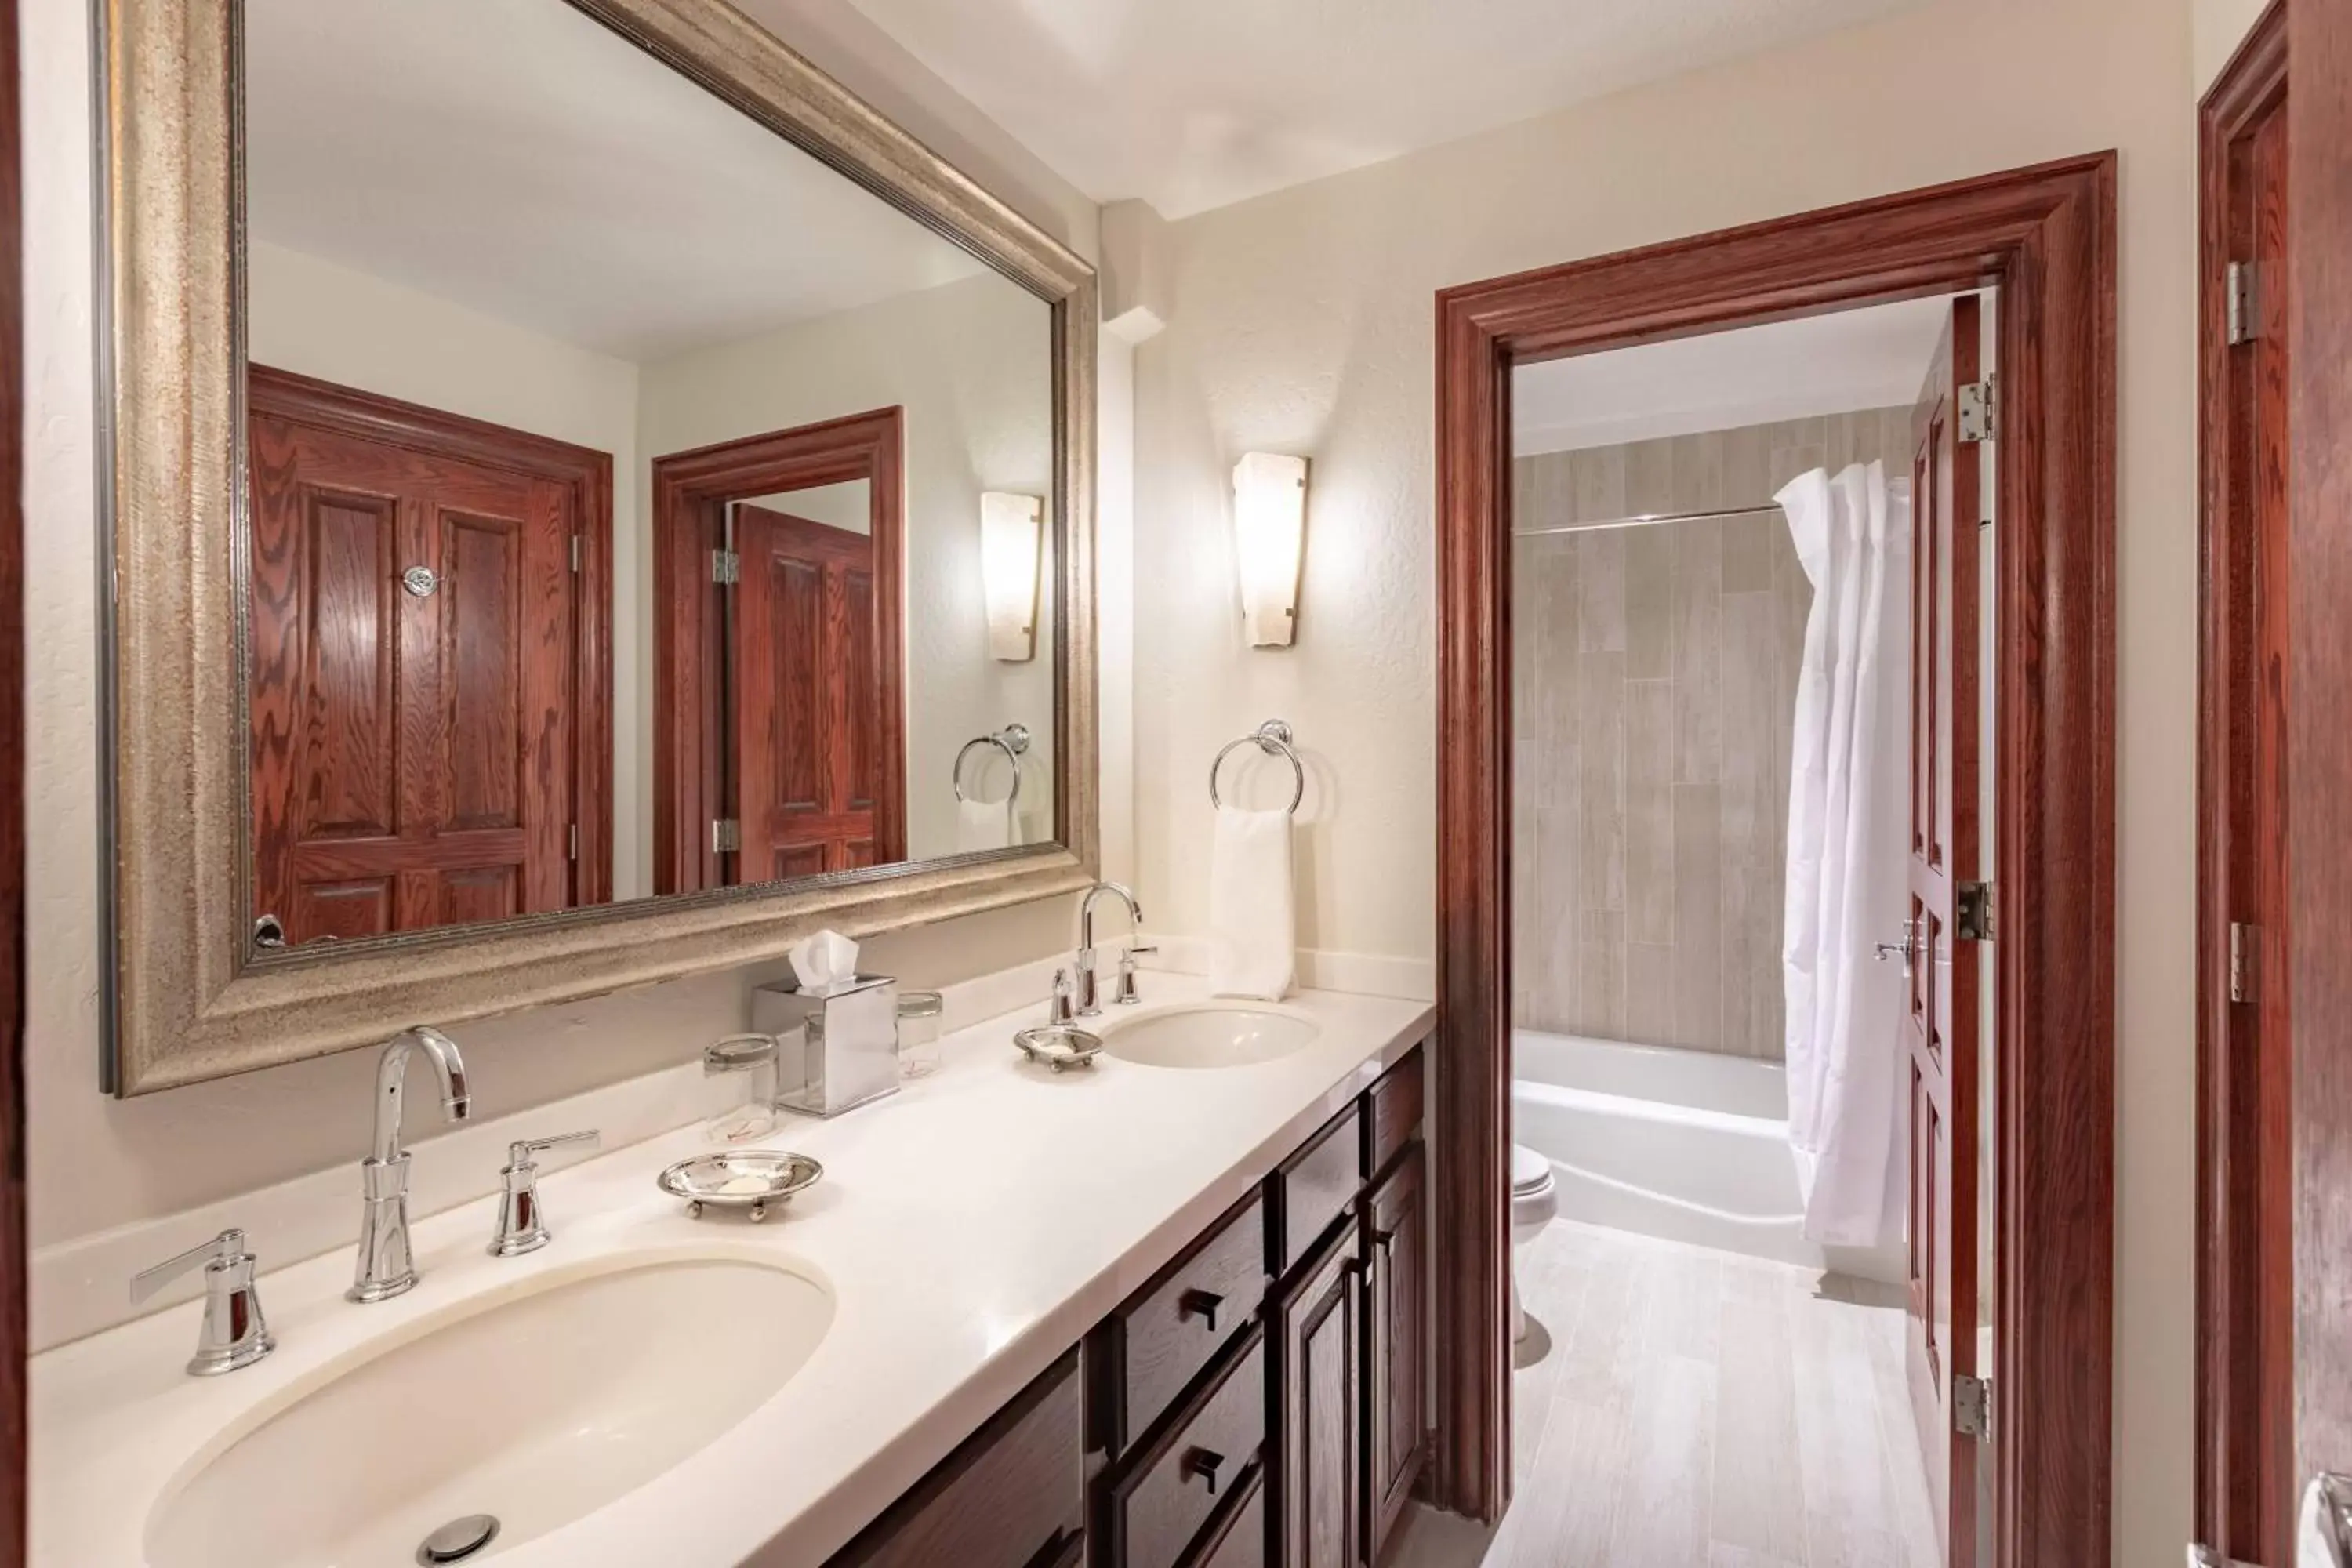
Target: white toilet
[{"x": 1534, "y": 1203}]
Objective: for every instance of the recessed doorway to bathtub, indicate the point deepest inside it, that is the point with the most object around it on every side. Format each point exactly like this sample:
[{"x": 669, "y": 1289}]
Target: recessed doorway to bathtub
[{"x": 1727, "y": 885}]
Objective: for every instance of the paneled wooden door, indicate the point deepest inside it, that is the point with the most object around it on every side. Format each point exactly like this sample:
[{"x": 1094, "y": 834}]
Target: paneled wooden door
[
  {"x": 1942, "y": 1022},
  {"x": 807, "y": 708},
  {"x": 2245, "y": 1313},
  {"x": 416, "y": 643}
]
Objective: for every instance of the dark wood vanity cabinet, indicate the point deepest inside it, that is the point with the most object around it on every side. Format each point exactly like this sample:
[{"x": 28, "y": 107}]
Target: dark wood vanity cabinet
[
  {"x": 1331, "y": 1310},
  {"x": 1011, "y": 1496},
  {"x": 1257, "y": 1404}
]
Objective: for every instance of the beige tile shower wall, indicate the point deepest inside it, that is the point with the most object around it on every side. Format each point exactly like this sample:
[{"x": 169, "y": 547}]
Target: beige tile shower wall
[{"x": 1655, "y": 692}]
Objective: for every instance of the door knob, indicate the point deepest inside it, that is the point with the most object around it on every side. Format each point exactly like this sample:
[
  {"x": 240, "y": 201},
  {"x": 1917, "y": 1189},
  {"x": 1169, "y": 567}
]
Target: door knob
[{"x": 420, "y": 580}]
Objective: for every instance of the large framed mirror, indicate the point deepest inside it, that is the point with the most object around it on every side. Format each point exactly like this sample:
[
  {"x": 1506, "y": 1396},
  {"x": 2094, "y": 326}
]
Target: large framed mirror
[{"x": 591, "y": 502}]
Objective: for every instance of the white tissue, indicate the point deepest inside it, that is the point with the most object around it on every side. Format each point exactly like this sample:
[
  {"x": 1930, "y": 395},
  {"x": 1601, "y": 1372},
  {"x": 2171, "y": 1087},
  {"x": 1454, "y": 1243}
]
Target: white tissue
[{"x": 824, "y": 960}]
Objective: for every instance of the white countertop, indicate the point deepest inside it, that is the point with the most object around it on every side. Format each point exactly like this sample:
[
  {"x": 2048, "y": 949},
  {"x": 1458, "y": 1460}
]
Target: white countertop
[{"x": 972, "y": 1227}]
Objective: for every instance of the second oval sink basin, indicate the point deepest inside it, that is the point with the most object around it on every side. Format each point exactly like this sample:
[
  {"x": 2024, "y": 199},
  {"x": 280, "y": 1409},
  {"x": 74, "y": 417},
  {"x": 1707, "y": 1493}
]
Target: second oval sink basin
[
  {"x": 534, "y": 1408},
  {"x": 1210, "y": 1035}
]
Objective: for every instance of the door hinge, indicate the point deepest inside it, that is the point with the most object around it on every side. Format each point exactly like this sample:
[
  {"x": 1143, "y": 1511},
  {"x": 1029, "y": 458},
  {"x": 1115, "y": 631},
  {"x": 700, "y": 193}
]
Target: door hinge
[
  {"x": 1979, "y": 410},
  {"x": 574, "y": 853},
  {"x": 726, "y": 836},
  {"x": 726, "y": 567},
  {"x": 575, "y": 552},
  {"x": 2243, "y": 300},
  {"x": 1972, "y": 1407},
  {"x": 1972, "y": 911},
  {"x": 2245, "y": 954}
]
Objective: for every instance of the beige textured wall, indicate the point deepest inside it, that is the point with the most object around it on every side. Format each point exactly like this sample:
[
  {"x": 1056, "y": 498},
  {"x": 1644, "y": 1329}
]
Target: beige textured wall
[{"x": 1654, "y": 675}]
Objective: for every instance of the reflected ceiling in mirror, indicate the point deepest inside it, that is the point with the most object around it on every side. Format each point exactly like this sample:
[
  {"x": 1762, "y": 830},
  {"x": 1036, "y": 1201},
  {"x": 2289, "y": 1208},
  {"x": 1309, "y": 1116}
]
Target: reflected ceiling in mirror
[{"x": 614, "y": 488}]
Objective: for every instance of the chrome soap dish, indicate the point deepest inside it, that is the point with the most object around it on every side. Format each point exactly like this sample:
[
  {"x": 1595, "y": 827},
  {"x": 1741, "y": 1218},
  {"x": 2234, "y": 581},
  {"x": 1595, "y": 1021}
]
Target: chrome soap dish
[
  {"x": 1059, "y": 1045},
  {"x": 748, "y": 1179}
]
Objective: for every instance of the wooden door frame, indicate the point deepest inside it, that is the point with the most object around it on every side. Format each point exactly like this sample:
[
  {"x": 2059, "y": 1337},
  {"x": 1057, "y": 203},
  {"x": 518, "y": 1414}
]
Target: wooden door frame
[
  {"x": 370, "y": 416},
  {"x": 690, "y": 786},
  {"x": 2045, "y": 237},
  {"x": 2244, "y": 1372}
]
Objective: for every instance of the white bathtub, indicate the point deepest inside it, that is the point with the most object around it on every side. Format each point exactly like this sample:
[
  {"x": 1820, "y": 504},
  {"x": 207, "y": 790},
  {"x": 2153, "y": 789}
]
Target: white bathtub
[{"x": 1691, "y": 1145}]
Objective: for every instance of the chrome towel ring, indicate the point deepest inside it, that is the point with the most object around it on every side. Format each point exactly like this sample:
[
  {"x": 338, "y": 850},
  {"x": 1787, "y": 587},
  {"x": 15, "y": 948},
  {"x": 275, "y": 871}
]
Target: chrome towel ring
[
  {"x": 1013, "y": 740},
  {"x": 1273, "y": 738}
]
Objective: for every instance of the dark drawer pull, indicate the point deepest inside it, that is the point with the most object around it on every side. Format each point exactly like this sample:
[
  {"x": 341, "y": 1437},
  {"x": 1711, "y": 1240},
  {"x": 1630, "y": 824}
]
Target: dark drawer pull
[
  {"x": 1200, "y": 1304},
  {"x": 1204, "y": 1463}
]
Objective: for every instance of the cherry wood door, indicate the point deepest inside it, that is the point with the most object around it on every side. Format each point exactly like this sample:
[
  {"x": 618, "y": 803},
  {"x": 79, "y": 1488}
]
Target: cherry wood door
[
  {"x": 2245, "y": 1322},
  {"x": 1318, "y": 1395},
  {"x": 1941, "y": 1022},
  {"x": 414, "y": 702},
  {"x": 698, "y": 711},
  {"x": 807, "y": 707}
]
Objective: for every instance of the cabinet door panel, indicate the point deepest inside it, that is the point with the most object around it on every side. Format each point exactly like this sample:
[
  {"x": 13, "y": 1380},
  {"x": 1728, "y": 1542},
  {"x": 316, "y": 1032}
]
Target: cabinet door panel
[
  {"x": 1396, "y": 1274},
  {"x": 1318, "y": 1391}
]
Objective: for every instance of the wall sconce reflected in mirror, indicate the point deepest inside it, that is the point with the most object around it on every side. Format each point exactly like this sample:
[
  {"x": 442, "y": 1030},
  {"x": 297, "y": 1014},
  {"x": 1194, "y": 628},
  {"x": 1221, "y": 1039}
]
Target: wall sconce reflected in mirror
[
  {"x": 1269, "y": 537},
  {"x": 1009, "y": 534}
]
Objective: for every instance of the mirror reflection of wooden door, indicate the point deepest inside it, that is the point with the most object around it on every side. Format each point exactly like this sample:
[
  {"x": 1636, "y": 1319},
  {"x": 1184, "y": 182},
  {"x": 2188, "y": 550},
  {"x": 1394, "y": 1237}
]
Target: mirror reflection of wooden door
[
  {"x": 1943, "y": 1014},
  {"x": 807, "y": 713},
  {"x": 415, "y": 638}
]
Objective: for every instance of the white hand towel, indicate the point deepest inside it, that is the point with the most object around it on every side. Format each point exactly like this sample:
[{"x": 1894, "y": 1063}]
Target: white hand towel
[
  {"x": 982, "y": 824},
  {"x": 1253, "y": 937}
]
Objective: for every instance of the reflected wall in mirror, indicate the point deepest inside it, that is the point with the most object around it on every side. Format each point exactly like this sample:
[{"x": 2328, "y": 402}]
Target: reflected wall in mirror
[{"x": 614, "y": 488}]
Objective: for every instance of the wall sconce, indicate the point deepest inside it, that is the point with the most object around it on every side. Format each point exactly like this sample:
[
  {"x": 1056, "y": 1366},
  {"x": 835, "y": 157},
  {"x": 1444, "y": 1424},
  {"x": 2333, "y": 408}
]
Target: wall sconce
[
  {"x": 1269, "y": 536},
  {"x": 1008, "y": 532}
]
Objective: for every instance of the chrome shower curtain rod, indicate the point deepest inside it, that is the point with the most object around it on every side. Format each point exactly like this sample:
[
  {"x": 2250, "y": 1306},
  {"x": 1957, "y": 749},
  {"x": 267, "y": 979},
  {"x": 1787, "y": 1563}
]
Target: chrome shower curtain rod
[{"x": 1644, "y": 520}]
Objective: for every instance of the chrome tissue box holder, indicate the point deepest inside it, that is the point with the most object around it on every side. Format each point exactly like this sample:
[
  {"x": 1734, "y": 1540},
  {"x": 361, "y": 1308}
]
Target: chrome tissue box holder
[{"x": 848, "y": 1039}]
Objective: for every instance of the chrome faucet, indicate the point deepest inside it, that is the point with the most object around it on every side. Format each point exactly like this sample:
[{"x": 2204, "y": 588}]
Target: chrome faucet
[
  {"x": 233, "y": 1334},
  {"x": 1089, "y": 1004},
  {"x": 385, "y": 1268}
]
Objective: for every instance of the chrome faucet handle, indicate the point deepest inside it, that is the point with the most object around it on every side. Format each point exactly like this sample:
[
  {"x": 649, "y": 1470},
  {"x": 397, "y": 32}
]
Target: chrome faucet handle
[
  {"x": 1063, "y": 1006},
  {"x": 234, "y": 1333},
  {"x": 1123, "y": 994},
  {"x": 522, "y": 1225}
]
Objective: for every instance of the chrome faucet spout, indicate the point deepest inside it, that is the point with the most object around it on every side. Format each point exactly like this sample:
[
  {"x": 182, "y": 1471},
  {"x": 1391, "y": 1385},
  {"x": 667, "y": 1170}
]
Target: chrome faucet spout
[
  {"x": 1089, "y": 1004},
  {"x": 385, "y": 1267},
  {"x": 1087, "y": 910},
  {"x": 392, "y": 1076}
]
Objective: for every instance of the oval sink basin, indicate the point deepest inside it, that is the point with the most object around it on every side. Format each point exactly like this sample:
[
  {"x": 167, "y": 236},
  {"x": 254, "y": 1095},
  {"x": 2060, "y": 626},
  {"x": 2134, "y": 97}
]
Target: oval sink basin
[
  {"x": 534, "y": 1408},
  {"x": 1210, "y": 1035}
]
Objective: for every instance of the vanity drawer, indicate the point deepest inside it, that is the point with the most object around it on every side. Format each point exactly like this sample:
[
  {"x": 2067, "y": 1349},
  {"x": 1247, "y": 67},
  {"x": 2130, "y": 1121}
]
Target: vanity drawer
[
  {"x": 1156, "y": 1344},
  {"x": 1173, "y": 1488},
  {"x": 1238, "y": 1540},
  {"x": 1315, "y": 1188},
  {"x": 1014, "y": 1494},
  {"x": 1395, "y": 1120}
]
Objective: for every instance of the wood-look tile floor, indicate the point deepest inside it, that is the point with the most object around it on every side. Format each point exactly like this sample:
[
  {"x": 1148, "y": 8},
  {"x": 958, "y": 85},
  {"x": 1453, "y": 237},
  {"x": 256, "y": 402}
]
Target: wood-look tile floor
[{"x": 1696, "y": 1409}]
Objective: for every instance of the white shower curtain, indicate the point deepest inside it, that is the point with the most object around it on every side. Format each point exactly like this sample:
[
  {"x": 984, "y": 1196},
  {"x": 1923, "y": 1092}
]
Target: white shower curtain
[{"x": 1849, "y": 780}]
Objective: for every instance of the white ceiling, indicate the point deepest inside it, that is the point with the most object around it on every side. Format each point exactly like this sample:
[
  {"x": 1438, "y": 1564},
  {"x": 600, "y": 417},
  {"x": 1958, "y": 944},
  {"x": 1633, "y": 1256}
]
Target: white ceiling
[
  {"x": 1873, "y": 358},
  {"x": 1191, "y": 104},
  {"x": 516, "y": 157}
]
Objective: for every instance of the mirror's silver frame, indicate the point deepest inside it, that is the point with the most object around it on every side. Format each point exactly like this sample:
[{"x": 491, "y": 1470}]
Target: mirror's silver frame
[{"x": 190, "y": 1000}]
